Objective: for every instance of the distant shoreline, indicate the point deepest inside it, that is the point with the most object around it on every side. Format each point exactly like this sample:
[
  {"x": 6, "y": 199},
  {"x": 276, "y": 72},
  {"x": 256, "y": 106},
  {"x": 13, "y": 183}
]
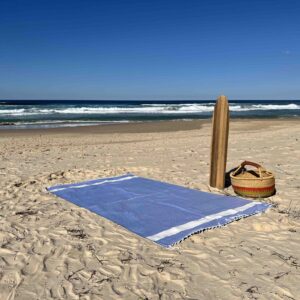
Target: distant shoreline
[{"x": 64, "y": 125}]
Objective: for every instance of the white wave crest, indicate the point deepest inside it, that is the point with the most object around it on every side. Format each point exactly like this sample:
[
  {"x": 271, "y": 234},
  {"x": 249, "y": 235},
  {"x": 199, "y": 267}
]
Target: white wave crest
[
  {"x": 264, "y": 107},
  {"x": 272, "y": 106},
  {"x": 13, "y": 112},
  {"x": 143, "y": 109},
  {"x": 149, "y": 109}
]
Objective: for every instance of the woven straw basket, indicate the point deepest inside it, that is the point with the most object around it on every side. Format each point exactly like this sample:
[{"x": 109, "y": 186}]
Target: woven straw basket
[{"x": 258, "y": 183}]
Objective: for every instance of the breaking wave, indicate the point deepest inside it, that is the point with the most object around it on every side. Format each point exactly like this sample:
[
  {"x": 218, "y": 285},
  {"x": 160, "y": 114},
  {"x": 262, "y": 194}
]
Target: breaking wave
[{"x": 143, "y": 109}]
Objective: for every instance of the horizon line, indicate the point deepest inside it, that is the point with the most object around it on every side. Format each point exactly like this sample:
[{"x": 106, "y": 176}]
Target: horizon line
[{"x": 235, "y": 99}]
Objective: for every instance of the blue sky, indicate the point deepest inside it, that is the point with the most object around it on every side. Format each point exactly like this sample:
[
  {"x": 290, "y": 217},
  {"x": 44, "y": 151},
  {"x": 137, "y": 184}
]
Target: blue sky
[{"x": 149, "y": 49}]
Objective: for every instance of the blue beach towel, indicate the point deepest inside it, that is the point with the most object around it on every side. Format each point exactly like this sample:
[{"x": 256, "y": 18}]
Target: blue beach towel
[{"x": 162, "y": 212}]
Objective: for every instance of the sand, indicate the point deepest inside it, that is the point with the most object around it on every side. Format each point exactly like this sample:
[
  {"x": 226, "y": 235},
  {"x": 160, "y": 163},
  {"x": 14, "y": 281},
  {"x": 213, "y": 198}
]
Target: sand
[{"x": 52, "y": 249}]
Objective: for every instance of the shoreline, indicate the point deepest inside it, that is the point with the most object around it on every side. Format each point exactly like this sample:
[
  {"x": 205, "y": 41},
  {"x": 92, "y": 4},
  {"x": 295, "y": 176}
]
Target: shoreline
[{"x": 141, "y": 127}]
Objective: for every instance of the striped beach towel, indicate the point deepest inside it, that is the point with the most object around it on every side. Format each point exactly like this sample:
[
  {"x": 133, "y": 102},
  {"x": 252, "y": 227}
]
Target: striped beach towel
[{"x": 161, "y": 212}]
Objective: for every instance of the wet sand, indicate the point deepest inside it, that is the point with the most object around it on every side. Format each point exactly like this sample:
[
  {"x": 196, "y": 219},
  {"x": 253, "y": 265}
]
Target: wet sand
[{"x": 143, "y": 127}]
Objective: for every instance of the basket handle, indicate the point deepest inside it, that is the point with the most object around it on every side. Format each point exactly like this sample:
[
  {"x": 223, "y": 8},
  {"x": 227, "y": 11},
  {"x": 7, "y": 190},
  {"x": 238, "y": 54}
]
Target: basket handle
[{"x": 249, "y": 163}]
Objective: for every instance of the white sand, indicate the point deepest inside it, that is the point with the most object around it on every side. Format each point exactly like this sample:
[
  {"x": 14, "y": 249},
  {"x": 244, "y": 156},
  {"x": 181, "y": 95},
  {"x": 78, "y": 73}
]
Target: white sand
[{"x": 52, "y": 249}]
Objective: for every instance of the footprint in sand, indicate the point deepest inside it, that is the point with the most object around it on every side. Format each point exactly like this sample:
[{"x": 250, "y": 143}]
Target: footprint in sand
[{"x": 265, "y": 227}]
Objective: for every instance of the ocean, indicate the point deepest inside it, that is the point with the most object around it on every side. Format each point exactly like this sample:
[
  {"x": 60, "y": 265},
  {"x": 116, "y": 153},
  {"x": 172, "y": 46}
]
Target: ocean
[{"x": 69, "y": 113}]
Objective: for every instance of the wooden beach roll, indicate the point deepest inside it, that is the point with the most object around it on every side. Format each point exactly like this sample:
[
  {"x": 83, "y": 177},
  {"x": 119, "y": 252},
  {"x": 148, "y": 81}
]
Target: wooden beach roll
[{"x": 219, "y": 143}]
